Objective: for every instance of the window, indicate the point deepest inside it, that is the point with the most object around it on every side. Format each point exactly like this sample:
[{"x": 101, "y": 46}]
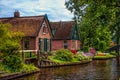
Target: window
[
  {"x": 26, "y": 44},
  {"x": 48, "y": 46},
  {"x": 73, "y": 44},
  {"x": 41, "y": 44},
  {"x": 65, "y": 45},
  {"x": 44, "y": 29},
  {"x": 53, "y": 31}
]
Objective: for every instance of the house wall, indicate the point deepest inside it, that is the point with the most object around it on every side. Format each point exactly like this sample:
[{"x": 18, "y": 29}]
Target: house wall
[
  {"x": 32, "y": 43},
  {"x": 42, "y": 35},
  {"x": 59, "y": 44},
  {"x": 75, "y": 45}
]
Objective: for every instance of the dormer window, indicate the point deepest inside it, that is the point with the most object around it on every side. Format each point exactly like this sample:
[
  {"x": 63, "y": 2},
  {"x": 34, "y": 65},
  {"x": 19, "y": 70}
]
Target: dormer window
[
  {"x": 44, "y": 28},
  {"x": 53, "y": 31}
]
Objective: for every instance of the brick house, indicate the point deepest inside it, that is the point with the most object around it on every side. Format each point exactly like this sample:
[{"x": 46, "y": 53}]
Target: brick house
[
  {"x": 65, "y": 35},
  {"x": 36, "y": 29}
]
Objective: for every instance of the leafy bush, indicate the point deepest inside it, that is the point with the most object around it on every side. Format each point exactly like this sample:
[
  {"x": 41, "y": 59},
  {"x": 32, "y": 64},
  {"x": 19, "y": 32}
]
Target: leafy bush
[
  {"x": 27, "y": 55},
  {"x": 9, "y": 48},
  {"x": 4, "y": 68},
  {"x": 63, "y": 55},
  {"x": 13, "y": 62},
  {"x": 28, "y": 68},
  {"x": 86, "y": 49},
  {"x": 113, "y": 53},
  {"x": 102, "y": 45}
]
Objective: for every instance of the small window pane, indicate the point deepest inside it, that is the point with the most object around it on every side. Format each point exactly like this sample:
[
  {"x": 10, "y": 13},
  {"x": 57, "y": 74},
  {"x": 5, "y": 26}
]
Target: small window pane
[{"x": 65, "y": 45}]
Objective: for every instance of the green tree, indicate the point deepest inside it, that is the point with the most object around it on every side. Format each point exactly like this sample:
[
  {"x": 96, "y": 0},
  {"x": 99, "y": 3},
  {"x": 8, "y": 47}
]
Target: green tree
[
  {"x": 9, "y": 46},
  {"x": 96, "y": 19}
]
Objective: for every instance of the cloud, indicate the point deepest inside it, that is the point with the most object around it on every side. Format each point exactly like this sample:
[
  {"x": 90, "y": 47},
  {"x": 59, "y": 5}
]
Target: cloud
[{"x": 55, "y": 9}]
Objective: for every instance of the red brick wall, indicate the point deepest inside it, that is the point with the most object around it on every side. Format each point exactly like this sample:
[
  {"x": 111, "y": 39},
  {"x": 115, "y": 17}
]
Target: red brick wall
[
  {"x": 58, "y": 44},
  {"x": 41, "y": 35},
  {"x": 32, "y": 43}
]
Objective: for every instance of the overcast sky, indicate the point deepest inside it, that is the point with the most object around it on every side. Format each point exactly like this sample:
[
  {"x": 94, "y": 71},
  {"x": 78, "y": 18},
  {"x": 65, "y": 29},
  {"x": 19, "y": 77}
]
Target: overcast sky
[{"x": 55, "y": 9}]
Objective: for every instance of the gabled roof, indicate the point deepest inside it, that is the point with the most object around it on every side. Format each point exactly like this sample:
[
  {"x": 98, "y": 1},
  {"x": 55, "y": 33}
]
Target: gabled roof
[
  {"x": 30, "y": 25},
  {"x": 63, "y": 30}
]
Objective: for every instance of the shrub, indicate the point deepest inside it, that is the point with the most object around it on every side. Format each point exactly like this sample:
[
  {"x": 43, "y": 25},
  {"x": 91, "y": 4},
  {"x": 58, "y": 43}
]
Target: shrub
[
  {"x": 9, "y": 48},
  {"x": 63, "y": 55},
  {"x": 4, "y": 68},
  {"x": 28, "y": 68},
  {"x": 86, "y": 49},
  {"x": 102, "y": 45},
  {"x": 13, "y": 62},
  {"x": 113, "y": 53},
  {"x": 93, "y": 51}
]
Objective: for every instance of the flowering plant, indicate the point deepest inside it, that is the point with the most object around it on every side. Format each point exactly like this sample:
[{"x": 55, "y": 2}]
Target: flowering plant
[{"x": 92, "y": 50}]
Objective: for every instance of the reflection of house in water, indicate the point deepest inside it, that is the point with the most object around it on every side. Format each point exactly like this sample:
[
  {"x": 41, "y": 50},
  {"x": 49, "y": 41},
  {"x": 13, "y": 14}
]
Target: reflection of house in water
[{"x": 41, "y": 35}]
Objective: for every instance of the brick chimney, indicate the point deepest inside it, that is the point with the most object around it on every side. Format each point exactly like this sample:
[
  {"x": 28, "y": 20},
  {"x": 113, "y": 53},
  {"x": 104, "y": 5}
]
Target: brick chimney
[{"x": 16, "y": 13}]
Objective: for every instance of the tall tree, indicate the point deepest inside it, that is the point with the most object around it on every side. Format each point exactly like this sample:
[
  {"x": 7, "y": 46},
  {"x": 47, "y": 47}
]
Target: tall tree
[
  {"x": 9, "y": 41},
  {"x": 96, "y": 18},
  {"x": 9, "y": 47}
]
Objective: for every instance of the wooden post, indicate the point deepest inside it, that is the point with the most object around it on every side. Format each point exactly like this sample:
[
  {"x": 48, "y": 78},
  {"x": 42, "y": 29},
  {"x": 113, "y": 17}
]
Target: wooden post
[
  {"x": 38, "y": 58},
  {"x": 23, "y": 55},
  {"x": 117, "y": 56},
  {"x": 30, "y": 54}
]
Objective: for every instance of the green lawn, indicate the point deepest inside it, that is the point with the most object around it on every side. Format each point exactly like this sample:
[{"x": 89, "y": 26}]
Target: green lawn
[{"x": 107, "y": 56}]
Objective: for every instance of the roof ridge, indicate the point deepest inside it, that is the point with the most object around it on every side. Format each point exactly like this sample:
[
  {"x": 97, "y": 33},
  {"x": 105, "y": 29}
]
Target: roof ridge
[
  {"x": 23, "y": 17},
  {"x": 60, "y": 21}
]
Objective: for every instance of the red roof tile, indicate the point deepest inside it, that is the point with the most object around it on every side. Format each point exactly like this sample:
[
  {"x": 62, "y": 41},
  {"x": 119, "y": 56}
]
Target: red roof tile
[
  {"x": 63, "y": 30},
  {"x": 28, "y": 25}
]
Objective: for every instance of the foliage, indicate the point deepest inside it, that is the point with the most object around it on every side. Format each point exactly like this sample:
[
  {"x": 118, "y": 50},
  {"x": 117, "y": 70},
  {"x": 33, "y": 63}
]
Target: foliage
[
  {"x": 63, "y": 55},
  {"x": 27, "y": 55},
  {"x": 93, "y": 51},
  {"x": 86, "y": 48},
  {"x": 114, "y": 53},
  {"x": 80, "y": 57},
  {"x": 74, "y": 51},
  {"x": 9, "y": 47},
  {"x": 9, "y": 41},
  {"x": 103, "y": 56},
  {"x": 13, "y": 62},
  {"x": 24, "y": 68},
  {"x": 9, "y": 51},
  {"x": 4, "y": 68},
  {"x": 90, "y": 55},
  {"x": 97, "y": 21},
  {"x": 28, "y": 68},
  {"x": 55, "y": 60}
]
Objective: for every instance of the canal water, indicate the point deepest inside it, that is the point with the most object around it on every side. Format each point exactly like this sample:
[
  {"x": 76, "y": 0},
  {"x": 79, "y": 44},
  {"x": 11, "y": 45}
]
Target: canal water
[{"x": 95, "y": 70}]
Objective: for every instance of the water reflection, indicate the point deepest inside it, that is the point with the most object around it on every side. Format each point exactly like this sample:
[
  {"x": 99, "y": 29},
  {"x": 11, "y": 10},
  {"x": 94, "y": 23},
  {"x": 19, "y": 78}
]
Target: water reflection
[{"x": 96, "y": 70}]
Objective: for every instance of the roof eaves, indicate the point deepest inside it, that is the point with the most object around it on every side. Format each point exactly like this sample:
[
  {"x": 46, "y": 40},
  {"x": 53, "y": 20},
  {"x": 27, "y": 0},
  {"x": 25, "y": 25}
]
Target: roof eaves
[
  {"x": 37, "y": 32},
  {"x": 49, "y": 25}
]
